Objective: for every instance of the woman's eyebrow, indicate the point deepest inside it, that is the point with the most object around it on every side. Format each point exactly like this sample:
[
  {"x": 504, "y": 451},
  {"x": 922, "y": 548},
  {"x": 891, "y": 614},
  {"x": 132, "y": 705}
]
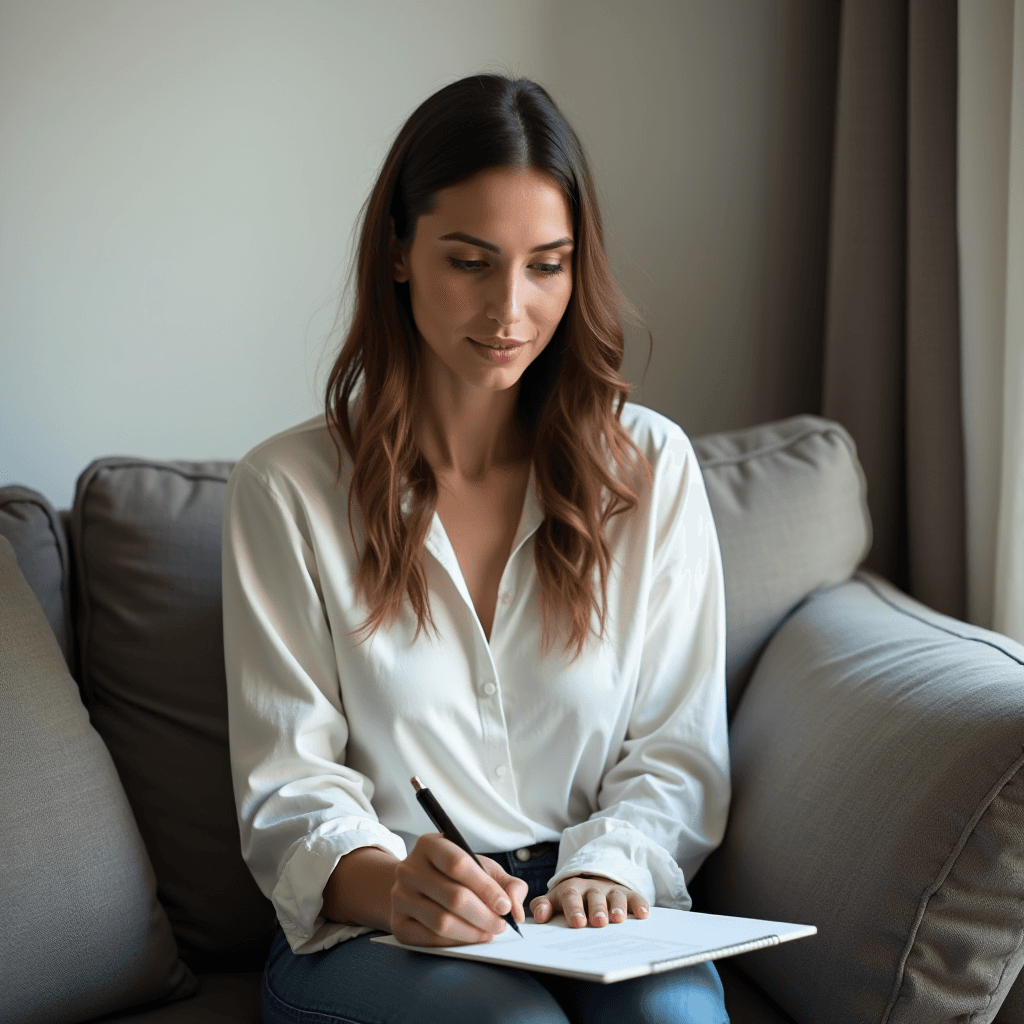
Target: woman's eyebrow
[{"x": 460, "y": 236}]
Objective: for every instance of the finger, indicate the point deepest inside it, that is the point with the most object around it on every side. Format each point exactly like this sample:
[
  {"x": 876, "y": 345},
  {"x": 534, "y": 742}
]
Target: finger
[
  {"x": 638, "y": 905},
  {"x": 514, "y": 888},
  {"x": 618, "y": 907},
  {"x": 477, "y": 878},
  {"x": 572, "y": 907},
  {"x": 541, "y": 908},
  {"x": 597, "y": 907},
  {"x": 517, "y": 890}
]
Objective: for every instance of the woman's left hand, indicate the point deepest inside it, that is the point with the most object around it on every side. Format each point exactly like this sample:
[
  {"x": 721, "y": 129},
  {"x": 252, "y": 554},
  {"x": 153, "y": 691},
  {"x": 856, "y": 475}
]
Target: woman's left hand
[{"x": 589, "y": 897}]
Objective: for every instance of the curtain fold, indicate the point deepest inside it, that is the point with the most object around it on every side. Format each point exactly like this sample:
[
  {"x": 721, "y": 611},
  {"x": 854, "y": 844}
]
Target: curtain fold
[
  {"x": 891, "y": 363},
  {"x": 1008, "y": 614},
  {"x": 991, "y": 229}
]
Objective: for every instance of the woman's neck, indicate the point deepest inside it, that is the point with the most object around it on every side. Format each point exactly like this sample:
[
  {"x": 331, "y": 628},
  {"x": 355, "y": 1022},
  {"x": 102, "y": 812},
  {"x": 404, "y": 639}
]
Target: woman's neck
[{"x": 468, "y": 431}]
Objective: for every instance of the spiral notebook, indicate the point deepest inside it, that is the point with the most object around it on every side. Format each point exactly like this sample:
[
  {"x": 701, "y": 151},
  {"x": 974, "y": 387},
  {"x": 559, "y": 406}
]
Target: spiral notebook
[{"x": 665, "y": 940}]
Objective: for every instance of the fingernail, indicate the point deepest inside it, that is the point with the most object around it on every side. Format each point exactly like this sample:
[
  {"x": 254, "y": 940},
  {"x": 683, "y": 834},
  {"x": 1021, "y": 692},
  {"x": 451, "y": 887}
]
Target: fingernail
[
  {"x": 600, "y": 914},
  {"x": 503, "y": 906},
  {"x": 578, "y": 919},
  {"x": 616, "y": 913}
]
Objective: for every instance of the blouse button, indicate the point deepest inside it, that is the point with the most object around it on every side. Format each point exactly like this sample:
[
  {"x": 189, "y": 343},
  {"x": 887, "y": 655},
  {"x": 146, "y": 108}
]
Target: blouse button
[
  {"x": 500, "y": 771},
  {"x": 490, "y": 689}
]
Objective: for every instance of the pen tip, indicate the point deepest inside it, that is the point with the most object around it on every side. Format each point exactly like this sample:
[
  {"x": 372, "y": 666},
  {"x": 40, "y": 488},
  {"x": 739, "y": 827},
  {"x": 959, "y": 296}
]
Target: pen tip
[{"x": 416, "y": 784}]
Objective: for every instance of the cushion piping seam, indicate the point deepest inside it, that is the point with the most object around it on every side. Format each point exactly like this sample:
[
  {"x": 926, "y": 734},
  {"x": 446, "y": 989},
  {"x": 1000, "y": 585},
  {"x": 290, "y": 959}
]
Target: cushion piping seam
[
  {"x": 778, "y": 446},
  {"x": 934, "y": 625},
  {"x": 167, "y": 467},
  {"x": 943, "y": 874}
]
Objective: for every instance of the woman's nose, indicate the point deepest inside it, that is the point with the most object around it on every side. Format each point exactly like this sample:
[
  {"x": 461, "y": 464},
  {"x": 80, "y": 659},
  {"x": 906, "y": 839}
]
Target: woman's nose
[{"x": 503, "y": 300}]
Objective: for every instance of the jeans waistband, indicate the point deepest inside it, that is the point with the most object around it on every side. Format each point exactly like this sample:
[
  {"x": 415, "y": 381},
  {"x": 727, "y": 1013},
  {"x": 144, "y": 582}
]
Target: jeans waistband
[{"x": 525, "y": 854}]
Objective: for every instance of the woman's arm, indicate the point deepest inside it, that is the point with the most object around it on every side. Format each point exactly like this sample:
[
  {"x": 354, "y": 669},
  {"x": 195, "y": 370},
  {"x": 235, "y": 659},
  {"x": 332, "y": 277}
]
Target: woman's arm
[
  {"x": 359, "y": 889},
  {"x": 300, "y": 807}
]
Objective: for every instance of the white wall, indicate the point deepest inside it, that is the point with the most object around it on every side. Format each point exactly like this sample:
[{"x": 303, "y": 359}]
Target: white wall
[{"x": 180, "y": 182}]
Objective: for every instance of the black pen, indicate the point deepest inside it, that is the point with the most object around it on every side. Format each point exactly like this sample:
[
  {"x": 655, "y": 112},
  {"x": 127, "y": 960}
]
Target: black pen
[{"x": 449, "y": 831}]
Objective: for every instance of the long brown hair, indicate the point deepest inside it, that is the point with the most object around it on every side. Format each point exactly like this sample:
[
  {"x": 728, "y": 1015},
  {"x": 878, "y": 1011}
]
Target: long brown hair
[{"x": 570, "y": 397}]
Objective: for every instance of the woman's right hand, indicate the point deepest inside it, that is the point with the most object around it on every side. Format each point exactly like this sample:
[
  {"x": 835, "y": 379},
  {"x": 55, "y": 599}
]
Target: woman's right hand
[{"x": 440, "y": 897}]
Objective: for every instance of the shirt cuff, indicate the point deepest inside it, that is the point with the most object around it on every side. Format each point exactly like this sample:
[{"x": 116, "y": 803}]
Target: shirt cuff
[
  {"x": 618, "y": 850},
  {"x": 298, "y": 896}
]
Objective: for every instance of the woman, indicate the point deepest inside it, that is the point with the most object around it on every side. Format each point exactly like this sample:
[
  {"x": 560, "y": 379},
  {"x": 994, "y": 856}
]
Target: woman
[{"x": 481, "y": 567}]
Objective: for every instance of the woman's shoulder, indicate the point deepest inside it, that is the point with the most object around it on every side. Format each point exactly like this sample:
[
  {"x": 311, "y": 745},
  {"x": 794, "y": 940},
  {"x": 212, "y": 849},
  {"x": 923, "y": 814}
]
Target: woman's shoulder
[
  {"x": 655, "y": 435},
  {"x": 299, "y": 459}
]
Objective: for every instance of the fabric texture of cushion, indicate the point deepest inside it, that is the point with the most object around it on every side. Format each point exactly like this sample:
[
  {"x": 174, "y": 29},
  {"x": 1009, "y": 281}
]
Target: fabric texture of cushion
[
  {"x": 790, "y": 506},
  {"x": 36, "y": 533},
  {"x": 878, "y": 794},
  {"x": 146, "y": 537},
  {"x": 83, "y": 932}
]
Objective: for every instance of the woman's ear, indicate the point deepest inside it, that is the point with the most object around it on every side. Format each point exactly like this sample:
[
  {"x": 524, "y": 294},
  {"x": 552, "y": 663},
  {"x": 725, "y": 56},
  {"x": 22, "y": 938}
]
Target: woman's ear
[{"x": 400, "y": 268}]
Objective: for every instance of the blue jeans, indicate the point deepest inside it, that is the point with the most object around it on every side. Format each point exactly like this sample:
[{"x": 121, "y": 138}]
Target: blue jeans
[{"x": 363, "y": 982}]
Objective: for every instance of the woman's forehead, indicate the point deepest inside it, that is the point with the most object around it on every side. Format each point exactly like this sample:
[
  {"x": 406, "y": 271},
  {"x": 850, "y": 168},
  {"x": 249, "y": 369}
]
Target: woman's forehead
[{"x": 512, "y": 201}]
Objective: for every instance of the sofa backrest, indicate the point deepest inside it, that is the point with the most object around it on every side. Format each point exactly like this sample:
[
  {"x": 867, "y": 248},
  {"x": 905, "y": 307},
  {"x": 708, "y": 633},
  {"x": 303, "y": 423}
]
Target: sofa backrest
[
  {"x": 146, "y": 540},
  {"x": 790, "y": 507}
]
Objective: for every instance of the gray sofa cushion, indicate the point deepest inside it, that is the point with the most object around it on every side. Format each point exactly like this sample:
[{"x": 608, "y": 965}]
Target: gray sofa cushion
[
  {"x": 146, "y": 537},
  {"x": 83, "y": 933},
  {"x": 36, "y": 533},
  {"x": 879, "y": 794},
  {"x": 219, "y": 999},
  {"x": 790, "y": 506}
]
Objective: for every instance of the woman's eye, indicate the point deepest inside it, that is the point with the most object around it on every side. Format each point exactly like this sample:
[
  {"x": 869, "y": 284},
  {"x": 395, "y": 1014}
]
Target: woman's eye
[{"x": 545, "y": 269}]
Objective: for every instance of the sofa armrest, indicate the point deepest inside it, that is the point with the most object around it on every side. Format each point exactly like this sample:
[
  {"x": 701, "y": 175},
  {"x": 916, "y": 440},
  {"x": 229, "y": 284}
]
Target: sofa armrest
[{"x": 879, "y": 795}]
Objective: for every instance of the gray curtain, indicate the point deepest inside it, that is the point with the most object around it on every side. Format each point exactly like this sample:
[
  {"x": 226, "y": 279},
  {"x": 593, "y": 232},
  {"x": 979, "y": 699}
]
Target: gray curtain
[{"x": 891, "y": 367}]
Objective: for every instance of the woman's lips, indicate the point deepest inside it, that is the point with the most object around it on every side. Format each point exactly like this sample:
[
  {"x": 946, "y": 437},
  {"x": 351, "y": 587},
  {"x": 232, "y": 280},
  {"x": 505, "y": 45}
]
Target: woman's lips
[{"x": 499, "y": 342}]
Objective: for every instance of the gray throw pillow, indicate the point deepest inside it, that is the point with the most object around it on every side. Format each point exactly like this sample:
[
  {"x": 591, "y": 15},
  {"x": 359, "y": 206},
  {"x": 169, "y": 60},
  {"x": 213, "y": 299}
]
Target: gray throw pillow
[
  {"x": 81, "y": 931},
  {"x": 146, "y": 537},
  {"x": 790, "y": 507},
  {"x": 879, "y": 795},
  {"x": 34, "y": 528}
]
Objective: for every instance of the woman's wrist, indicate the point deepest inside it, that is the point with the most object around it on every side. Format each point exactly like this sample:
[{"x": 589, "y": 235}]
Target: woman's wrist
[{"x": 359, "y": 889}]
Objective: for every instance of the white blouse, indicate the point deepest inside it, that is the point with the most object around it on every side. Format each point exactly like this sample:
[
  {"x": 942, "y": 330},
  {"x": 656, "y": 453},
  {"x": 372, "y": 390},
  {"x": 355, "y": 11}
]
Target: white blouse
[{"x": 620, "y": 756}]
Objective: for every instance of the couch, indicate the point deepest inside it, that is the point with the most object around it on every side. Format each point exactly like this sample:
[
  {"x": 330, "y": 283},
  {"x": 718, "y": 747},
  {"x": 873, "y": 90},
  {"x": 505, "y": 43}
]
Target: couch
[{"x": 876, "y": 746}]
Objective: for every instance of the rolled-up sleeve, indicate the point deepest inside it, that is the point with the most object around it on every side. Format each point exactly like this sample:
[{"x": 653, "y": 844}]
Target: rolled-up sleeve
[
  {"x": 662, "y": 807},
  {"x": 300, "y": 809}
]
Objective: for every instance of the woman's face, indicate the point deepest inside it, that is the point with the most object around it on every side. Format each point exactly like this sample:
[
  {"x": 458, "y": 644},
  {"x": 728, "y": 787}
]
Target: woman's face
[{"x": 490, "y": 274}]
